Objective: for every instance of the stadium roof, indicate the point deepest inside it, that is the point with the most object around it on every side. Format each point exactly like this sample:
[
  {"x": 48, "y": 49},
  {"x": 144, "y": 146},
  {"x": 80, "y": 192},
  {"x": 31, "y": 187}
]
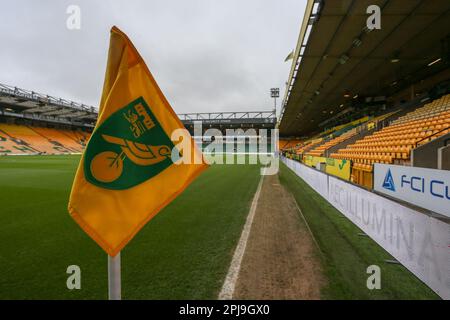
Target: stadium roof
[
  {"x": 21, "y": 103},
  {"x": 29, "y": 104},
  {"x": 338, "y": 58}
]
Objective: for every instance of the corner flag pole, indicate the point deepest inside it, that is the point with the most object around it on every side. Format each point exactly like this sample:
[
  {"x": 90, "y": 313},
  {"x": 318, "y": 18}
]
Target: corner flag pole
[{"x": 114, "y": 281}]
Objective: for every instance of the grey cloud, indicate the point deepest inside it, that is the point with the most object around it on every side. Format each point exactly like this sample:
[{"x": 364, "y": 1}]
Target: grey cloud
[{"x": 206, "y": 55}]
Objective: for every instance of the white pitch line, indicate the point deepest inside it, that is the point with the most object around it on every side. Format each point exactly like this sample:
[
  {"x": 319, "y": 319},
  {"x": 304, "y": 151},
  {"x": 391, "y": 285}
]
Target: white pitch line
[
  {"x": 307, "y": 225},
  {"x": 233, "y": 272}
]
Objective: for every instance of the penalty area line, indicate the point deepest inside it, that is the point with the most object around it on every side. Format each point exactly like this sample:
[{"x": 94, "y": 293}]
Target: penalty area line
[{"x": 233, "y": 272}]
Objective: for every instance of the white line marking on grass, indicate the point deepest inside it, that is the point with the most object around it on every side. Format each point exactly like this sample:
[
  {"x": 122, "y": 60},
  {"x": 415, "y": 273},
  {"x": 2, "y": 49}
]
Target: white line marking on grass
[
  {"x": 233, "y": 272},
  {"x": 307, "y": 225}
]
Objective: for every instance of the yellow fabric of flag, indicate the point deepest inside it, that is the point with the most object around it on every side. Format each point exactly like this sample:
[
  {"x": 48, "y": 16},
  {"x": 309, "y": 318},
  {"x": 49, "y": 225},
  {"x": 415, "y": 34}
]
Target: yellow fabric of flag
[{"x": 127, "y": 173}]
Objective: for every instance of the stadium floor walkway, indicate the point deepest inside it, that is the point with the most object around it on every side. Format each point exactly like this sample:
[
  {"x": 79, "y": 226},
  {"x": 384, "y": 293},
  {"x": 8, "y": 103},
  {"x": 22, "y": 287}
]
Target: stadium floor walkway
[{"x": 281, "y": 260}]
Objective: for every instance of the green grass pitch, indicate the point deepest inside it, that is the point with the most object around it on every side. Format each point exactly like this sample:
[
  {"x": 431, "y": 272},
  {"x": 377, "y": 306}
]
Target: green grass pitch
[
  {"x": 183, "y": 253},
  {"x": 346, "y": 255}
]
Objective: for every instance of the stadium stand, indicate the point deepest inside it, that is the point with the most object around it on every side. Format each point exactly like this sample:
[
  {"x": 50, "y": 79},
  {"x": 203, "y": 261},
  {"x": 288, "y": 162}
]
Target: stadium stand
[
  {"x": 395, "y": 81},
  {"x": 399, "y": 115},
  {"x": 287, "y": 143},
  {"x": 59, "y": 137},
  {"x": 394, "y": 143},
  {"x": 80, "y": 136},
  {"x": 434, "y": 108},
  {"x": 320, "y": 151},
  {"x": 21, "y": 139},
  {"x": 301, "y": 150},
  {"x": 9, "y": 145},
  {"x": 27, "y": 137},
  {"x": 35, "y": 123},
  {"x": 334, "y": 136}
]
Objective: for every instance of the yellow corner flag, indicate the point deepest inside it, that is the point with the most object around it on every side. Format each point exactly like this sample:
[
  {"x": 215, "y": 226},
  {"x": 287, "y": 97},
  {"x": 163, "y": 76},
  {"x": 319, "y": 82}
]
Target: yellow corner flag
[{"x": 128, "y": 173}]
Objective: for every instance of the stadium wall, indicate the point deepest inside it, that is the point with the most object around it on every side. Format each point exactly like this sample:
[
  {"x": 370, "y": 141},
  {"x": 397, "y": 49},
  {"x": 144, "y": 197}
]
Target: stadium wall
[
  {"x": 426, "y": 156},
  {"x": 418, "y": 241}
]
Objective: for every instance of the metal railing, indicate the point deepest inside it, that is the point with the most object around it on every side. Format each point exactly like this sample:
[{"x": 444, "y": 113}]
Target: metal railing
[
  {"x": 428, "y": 138},
  {"x": 42, "y": 98},
  {"x": 227, "y": 115},
  {"x": 18, "y": 93}
]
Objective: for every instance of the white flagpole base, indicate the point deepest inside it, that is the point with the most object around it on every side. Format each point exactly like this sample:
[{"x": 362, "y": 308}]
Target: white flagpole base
[{"x": 114, "y": 281}]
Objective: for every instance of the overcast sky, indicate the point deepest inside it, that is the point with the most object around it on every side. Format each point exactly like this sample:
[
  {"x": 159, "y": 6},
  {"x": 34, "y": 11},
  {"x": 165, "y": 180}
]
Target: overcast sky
[{"x": 206, "y": 55}]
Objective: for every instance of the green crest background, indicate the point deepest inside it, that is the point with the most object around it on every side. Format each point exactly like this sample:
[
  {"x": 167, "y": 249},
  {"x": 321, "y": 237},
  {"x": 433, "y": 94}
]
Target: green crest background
[{"x": 117, "y": 125}]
